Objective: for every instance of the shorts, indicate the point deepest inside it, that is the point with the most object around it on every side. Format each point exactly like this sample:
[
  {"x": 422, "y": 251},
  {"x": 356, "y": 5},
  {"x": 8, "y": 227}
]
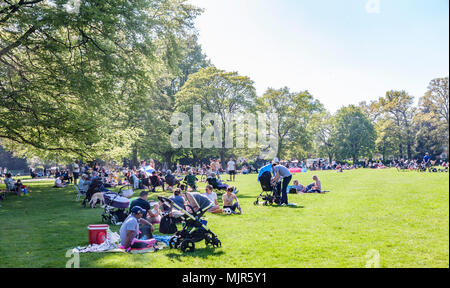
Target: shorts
[
  {"x": 76, "y": 175},
  {"x": 232, "y": 172}
]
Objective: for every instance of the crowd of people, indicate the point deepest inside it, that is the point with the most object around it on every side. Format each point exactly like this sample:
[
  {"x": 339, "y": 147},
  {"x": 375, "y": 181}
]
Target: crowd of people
[
  {"x": 144, "y": 214},
  {"x": 14, "y": 186},
  {"x": 415, "y": 164}
]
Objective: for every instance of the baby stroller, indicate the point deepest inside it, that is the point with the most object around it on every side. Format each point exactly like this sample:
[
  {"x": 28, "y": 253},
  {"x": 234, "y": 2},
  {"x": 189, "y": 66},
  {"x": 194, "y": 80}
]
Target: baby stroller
[
  {"x": 269, "y": 194},
  {"x": 115, "y": 206},
  {"x": 194, "y": 228}
]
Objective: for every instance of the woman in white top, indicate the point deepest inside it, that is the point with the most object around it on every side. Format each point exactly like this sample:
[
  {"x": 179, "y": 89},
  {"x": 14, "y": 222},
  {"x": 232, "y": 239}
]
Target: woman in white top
[{"x": 212, "y": 196}]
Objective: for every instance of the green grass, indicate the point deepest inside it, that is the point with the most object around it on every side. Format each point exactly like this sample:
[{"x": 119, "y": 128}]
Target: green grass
[{"x": 402, "y": 215}]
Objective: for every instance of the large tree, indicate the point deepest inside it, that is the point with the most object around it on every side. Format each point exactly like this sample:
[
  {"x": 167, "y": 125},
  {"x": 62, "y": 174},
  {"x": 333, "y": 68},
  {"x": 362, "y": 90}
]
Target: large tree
[
  {"x": 354, "y": 134},
  {"x": 155, "y": 141},
  {"x": 295, "y": 111},
  {"x": 431, "y": 122},
  {"x": 71, "y": 76},
  {"x": 322, "y": 126},
  {"x": 398, "y": 107},
  {"x": 219, "y": 92}
]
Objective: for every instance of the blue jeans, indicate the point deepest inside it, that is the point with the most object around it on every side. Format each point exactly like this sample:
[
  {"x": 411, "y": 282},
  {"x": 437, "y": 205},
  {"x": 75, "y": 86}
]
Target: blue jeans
[{"x": 282, "y": 187}]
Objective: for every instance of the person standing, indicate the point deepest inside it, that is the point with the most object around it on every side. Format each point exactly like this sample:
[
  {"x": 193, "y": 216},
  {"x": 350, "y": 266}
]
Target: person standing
[
  {"x": 217, "y": 167},
  {"x": 283, "y": 173},
  {"x": 426, "y": 160},
  {"x": 231, "y": 168}
]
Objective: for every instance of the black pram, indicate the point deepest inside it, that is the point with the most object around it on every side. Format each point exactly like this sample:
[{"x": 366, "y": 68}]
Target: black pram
[
  {"x": 269, "y": 194},
  {"x": 194, "y": 228}
]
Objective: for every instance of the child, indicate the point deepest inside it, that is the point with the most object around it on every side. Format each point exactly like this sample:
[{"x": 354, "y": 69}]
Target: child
[{"x": 19, "y": 187}]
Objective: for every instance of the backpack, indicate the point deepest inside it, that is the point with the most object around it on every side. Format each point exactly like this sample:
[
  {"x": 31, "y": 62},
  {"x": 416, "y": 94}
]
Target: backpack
[{"x": 167, "y": 225}]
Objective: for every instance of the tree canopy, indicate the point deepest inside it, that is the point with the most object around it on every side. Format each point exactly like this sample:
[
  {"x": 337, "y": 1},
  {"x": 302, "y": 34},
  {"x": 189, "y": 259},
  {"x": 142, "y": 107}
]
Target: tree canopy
[{"x": 65, "y": 75}]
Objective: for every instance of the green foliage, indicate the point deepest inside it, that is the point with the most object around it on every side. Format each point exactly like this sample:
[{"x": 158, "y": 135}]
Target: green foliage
[
  {"x": 295, "y": 112},
  {"x": 397, "y": 106},
  {"x": 322, "y": 127},
  {"x": 431, "y": 123},
  {"x": 354, "y": 135},
  {"x": 219, "y": 92},
  {"x": 155, "y": 141},
  {"x": 70, "y": 80}
]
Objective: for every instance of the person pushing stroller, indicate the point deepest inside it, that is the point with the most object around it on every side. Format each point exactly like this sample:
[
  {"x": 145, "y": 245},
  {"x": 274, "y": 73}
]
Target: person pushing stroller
[{"x": 283, "y": 173}]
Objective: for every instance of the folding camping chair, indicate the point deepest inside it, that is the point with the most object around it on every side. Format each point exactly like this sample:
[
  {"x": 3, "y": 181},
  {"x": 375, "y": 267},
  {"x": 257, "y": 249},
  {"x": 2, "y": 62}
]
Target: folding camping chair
[{"x": 80, "y": 193}]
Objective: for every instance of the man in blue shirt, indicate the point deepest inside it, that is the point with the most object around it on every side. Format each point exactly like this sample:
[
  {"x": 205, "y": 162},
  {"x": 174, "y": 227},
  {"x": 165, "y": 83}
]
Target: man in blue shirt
[{"x": 426, "y": 159}]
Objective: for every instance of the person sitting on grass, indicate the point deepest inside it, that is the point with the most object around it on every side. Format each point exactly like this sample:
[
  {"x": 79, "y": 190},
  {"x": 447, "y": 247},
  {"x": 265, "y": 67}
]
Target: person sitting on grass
[
  {"x": 298, "y": 187},
  {"x": 129, "y": 231},
  {"x": 155, "y": 181},
  {"x": 59, "y": 182},
  {"x": 83, "y": 184},
  {"x": 134, "y": 180},
  {"x": 191, "y": 180},
  {"x": 315, "y": 187},
  {"x": 177, "y": 198},
  {"x": 216, "y": 183},
  {"x": 212, "y": 196},
  {"x": 19, "y": 187},
  {"x": 228, "y": 201},
  {"x": 171, "y": 181},
  {"x": 9, "y": 182}
]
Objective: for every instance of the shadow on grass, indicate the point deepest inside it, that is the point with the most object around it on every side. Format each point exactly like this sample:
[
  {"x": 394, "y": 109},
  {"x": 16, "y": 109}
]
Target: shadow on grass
[
  {"x": 286, "y": 207},
  {"x": 203, "y": 253}
]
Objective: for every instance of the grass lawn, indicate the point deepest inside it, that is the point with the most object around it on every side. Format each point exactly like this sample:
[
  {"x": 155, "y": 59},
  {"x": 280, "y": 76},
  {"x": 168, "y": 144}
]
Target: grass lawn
[{"x": 403, "y": 216}]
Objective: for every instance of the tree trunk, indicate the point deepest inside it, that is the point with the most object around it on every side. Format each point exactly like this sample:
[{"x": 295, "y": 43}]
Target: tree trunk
[
  {"x": 168, "y": 160},
  {"x": 280, "y": 143},
  {"x": 222, "y": 158},
  {"x": 134, "y": 157}
]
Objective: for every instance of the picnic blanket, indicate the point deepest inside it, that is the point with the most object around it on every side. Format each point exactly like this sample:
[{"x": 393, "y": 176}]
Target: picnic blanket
[{"x": 112, "y": 245}]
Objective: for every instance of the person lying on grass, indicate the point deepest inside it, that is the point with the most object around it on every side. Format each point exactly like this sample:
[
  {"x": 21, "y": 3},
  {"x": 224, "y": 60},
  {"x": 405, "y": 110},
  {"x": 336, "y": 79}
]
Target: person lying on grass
[
  {"x": 315, "y": 187},
  {"x": 228, "y": 199},
  {"x": 130, "y": 227},
  {"x": 212, "y": 196}
]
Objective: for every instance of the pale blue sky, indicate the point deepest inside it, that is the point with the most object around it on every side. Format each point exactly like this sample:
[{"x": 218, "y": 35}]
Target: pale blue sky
[{"x": 343, "y": 52}]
